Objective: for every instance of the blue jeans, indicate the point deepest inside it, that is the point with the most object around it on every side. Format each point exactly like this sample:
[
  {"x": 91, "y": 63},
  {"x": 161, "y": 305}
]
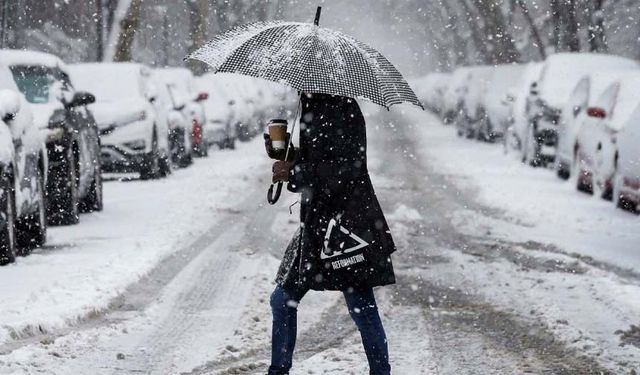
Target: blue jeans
[{"x": 363, "y": 311}]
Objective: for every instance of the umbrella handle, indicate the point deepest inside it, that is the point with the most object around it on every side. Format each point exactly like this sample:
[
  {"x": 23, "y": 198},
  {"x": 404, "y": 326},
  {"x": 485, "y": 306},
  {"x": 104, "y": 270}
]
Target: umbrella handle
[{"x": 272, "y": 199}]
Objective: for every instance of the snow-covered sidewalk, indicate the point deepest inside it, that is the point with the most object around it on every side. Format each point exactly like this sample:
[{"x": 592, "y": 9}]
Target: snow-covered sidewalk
[{"x": 83, "y": 267}]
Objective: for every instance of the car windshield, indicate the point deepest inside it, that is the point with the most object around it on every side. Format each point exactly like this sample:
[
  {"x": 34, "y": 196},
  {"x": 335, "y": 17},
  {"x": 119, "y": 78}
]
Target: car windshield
[{"x": 35, "y": 82}]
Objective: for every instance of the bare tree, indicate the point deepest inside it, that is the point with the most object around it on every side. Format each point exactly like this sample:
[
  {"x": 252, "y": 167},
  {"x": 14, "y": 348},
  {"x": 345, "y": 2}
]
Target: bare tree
[
  {"x": 535, "y": 33},
  {"x": 498, "y": 40},
  {"x": 596, "y": 33}
]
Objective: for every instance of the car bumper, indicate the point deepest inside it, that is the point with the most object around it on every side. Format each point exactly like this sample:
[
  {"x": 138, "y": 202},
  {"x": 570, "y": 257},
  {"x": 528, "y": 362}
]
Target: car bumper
[{"x": 120, "y": 159}]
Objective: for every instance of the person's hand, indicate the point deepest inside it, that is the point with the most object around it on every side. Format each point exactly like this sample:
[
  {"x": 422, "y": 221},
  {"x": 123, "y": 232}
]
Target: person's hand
[
  {"x": 279, "y": 154},
  {"x": 281, "y": 171}
]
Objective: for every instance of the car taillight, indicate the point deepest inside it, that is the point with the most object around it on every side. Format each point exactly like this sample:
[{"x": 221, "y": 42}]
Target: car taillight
[
  {"x": 196, "y": 132},
  {"x": 596, "y": 112}
]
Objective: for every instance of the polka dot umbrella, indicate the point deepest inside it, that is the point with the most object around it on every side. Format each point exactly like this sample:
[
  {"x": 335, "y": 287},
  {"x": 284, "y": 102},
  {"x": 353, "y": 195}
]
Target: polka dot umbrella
[{"x": 308, "y": 58}]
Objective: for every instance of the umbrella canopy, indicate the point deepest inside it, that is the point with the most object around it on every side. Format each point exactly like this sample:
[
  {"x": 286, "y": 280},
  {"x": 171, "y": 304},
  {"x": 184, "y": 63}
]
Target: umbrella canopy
[{"x": 310, "y": 59}]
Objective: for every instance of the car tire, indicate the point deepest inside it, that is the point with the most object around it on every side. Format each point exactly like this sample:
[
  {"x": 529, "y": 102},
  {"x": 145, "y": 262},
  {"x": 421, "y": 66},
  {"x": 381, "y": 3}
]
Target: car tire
[
  {"x": 31, "y": 231},
  {"x": 63, "y": 201},
  {"x": 151, "y": 167},
  {"x": 7, "y": 227},
  {"x": 532, "y": 155},
  {"x": 93, "y": 201}
]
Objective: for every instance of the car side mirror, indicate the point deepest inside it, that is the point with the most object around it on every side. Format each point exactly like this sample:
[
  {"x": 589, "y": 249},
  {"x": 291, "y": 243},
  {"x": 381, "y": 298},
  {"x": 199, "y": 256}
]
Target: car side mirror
[
  {"x": 9, "y": 104},
  {"x": 81, "y": 98},
  {"x": 202, "y": 96},
  {"x": 596, "y": 112}
]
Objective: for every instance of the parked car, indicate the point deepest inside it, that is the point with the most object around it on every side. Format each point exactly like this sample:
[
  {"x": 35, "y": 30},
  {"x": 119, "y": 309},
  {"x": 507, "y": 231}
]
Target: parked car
[
  {"x": 74, "y": 182},
  {"x": 495, "y": 102},
  {"x": 431, "y": 89},
  {"x": 596, "y": 149},
  {"x": 517, "y": 108},
  {"x": 472, "y": 112},
  {"x": 452, "y": 101},
  {"x": 588, "y": 89},
  {"x": 181, "y": 84},
  {"x": 220, "y": 129},
  {"x": 560, "y": 74},
  {"x": 626, "y": 186},
  {"x": 134, "y": 134},
  {"x": 23, "y": 163}
]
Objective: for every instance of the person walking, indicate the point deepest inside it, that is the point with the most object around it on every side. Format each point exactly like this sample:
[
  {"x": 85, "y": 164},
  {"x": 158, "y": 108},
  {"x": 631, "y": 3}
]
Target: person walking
[{"x": 343, "y": 242}]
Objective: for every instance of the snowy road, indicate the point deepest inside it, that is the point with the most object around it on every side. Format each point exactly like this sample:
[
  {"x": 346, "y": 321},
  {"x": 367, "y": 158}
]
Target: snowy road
[{"x": 490, "y": 280}]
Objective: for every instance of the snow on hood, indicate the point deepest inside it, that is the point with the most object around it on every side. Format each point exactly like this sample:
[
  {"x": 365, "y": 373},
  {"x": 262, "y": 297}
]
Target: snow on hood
[
  {"x": 562, "y": 72},
  {"x": 119, "y": 112}
]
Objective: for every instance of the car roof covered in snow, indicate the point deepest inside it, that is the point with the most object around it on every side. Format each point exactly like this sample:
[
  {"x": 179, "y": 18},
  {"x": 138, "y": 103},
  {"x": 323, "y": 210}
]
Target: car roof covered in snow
[
  {"x": 109, "y": 81},
  {"x": 561, "y": 72},
  {"x": 14, "y": 57}
]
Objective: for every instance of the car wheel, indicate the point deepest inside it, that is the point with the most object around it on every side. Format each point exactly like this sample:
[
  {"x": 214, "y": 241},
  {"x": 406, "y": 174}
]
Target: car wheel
[
  {"x": 151, "y": 167},
  {"x": 31, "y": 231},
  {"x": 63, "y": 198},
  {"x": 584, "y": 182},
  {"x": 7, "y": 225},
  {"x": 93, "y": 201},
  {"x": 532, "y": 153}
]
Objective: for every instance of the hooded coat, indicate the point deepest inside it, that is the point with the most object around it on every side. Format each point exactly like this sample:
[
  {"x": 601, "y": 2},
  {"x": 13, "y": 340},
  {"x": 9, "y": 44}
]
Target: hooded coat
[{"x": 343, "y": 240}]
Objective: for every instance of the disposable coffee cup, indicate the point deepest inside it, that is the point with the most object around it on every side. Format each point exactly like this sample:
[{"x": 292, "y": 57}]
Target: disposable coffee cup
[{"x": 278, "y": 133}]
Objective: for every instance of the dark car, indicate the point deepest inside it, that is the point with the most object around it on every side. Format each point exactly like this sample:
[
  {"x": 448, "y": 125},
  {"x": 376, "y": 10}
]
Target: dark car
[
  {"x": 74, "y": 182},
  {"x": 23, "y": 161}
]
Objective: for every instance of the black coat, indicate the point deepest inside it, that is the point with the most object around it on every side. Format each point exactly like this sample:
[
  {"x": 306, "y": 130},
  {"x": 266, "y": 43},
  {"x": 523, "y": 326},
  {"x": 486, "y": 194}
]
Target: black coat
[{"x": 344, "y": 240}]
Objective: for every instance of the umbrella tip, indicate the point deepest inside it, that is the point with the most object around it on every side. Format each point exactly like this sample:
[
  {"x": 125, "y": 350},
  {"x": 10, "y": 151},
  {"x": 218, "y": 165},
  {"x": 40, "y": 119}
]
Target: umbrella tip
[{"x": 317, "y": 20}]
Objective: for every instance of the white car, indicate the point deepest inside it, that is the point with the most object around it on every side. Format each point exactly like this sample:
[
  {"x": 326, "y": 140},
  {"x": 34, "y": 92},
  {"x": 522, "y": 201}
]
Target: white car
[
  {"x": 472, "y": 112},
  {"x": 457, "y": 88},
  {"x": 431, "y": 89},
  {"x": 496, "y": 100},
  {"x": 181, "y": 84},
  {"x": 596, "y": 150},
  {"x": 626, "y": 186},
  {"x": 588, "y": 89},
  {"x": 517, "y": 108},
  {"x": 23, "y": 171},
  {"x": 131, "y": 115},
  {"x": 559, "y": 76}
]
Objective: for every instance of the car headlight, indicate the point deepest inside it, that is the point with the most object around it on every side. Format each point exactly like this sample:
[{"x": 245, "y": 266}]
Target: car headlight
[
  {"x": 55, "y": 134},
  {"x": 137, "y": 145}
]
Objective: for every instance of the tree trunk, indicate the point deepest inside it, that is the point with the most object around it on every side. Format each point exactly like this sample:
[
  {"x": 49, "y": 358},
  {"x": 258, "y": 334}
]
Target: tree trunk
[
  {"x": 597, "y": 36},
  {"x": 535, "y": 33},
  {"x": 565, "y": 25},
  {"x": 198, "y": 16},
  {"x": 476, "y": 33},
  {"x": 127, "y": 31},
  {"x": 500, "y": 46}
]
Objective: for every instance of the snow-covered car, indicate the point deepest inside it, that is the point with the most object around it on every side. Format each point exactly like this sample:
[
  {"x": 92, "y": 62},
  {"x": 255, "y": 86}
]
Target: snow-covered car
[
  {"x": 133, "y": 131},
  {"x": 23, "y": 163},
  {"x": 588, "y": 89},
  {"x": 181, "y": 84},
  {"x": 626, "y": 185},
  {"x": 457, "y": 88},
  {"x": 472, "y": 112},
  {"x": 74, "y": 182},
  {"x": 559, "y": 76},
  {"x": 431, "y": 89},
  {"x": 219, "y": 107},
  {"x": 596, "y": 150},
  {"x": 496, "y": 100},
  {"x": 170, "y": 104},
  {"x": 517, "y": 108}
]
